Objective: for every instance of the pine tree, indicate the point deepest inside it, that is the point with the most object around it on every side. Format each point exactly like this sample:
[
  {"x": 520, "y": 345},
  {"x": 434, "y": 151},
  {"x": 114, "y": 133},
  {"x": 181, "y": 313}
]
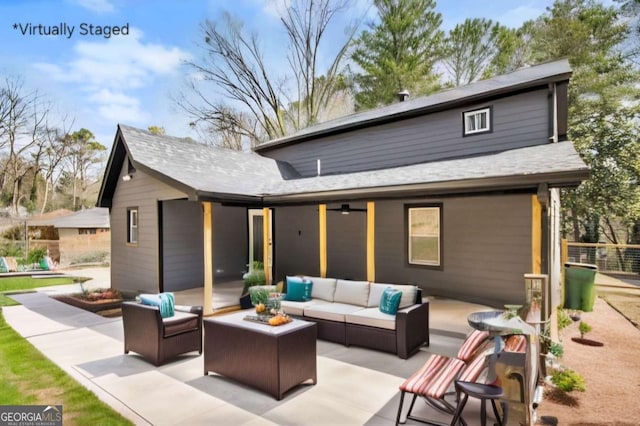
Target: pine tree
[{"x": 398, "y": 52}]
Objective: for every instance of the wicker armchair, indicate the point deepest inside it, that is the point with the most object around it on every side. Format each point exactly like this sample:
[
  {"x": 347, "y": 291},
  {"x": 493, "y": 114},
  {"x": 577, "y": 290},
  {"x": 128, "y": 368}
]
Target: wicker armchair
[{"x": 160, "y": 340}]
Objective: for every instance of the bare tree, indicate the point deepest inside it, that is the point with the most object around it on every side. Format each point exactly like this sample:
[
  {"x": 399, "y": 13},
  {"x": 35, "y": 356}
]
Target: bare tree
[
  {"x": 251, "y": 103},
  {"x": 306, "y": 23},
  {"x": 22, "y": 120},
  {"x": 56, "y": 147}
]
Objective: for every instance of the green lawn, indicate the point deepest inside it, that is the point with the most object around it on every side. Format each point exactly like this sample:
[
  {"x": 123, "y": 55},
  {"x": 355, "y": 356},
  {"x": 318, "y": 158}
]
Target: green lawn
[
  {"x": 28, "y": 283},
  {"x": 27, "y": 377}
]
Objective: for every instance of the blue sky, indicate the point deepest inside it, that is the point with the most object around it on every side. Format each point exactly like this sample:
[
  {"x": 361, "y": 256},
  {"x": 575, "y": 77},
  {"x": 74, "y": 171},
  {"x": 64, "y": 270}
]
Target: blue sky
[{"x": 132, "y": 78}]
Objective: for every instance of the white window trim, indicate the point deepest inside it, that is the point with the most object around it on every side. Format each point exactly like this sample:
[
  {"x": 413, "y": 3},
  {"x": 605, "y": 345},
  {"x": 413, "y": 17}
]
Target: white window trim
[
  {"x": 132, "y": 221},
  {"x": 410, "y": 260},
  {"x": 477, "y": 112}
]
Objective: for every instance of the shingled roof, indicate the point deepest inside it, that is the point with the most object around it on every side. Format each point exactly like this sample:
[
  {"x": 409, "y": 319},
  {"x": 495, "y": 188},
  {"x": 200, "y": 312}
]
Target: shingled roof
[
  {"x": 215, "y": 174},
  {"x": 521, "y": 79},
  {"x": 208, "y": 173}
]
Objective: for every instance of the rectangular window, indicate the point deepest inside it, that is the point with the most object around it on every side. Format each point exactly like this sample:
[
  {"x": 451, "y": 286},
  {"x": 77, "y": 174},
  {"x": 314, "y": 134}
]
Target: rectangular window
[
  {"x": 477, "y": 121},
  {"x": 424, "y": 235},
  {"x": 132, "y": 225}
]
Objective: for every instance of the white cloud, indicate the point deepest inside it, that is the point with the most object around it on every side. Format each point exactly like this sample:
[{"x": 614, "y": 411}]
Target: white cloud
[
  {"x": 123, "y": 62},
  {"x": 111, "y": 73},
  {"x": 100, "y": 6},
  {"x": 118, "y": 107}
]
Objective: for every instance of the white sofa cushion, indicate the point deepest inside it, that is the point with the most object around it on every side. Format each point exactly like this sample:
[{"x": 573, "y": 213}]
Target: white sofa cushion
[
  {"x": 297, "y": 308},
  {"x": 408, "y": 294},
  {"x": 372, "y": 317},
  {"x": 322, "y": 288},
  {"x": 330, "y": 311},
  {"x": 352, "y": 292}
]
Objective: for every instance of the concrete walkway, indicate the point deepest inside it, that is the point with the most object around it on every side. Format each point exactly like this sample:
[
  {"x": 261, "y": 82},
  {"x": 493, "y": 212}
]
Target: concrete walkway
[{"x": 355, "y": 386}]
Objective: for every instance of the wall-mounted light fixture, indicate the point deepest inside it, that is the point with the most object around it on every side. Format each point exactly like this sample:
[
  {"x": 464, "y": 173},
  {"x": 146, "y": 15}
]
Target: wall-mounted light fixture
[{"x": 130, "y": 172}]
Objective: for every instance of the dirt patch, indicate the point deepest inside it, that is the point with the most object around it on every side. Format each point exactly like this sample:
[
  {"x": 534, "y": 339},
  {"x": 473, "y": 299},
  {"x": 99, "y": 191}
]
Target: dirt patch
[{"x": 611, "y": 373}]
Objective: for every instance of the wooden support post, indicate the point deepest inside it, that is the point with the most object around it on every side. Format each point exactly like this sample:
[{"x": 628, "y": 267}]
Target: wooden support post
[
  {"x": 207, "y": 228},
  {"x": 266, "y": 234},
  {"x": 322, "y": 217},
  {"x": 536, "y": 235},
  {"x": 371, "y": 241}
]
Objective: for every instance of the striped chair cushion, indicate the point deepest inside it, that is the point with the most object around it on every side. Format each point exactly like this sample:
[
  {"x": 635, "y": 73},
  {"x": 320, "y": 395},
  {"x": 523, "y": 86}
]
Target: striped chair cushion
[
  {"x": 438, "y": 386},
  {"x": 475, "y": 367},
  {"x": 516, "y": 343},
  {"x": 472, "y": 343},
  {"x": 421, "y": 378}
]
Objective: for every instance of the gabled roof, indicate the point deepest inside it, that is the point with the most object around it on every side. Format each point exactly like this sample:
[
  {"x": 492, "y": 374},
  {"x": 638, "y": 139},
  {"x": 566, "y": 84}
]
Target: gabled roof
[
  {"x": 207, "y": 173},
  {"x": 522, "y": 79},
  {"x": 91, "y": 218},
  {"x": 96, "y": 217},
  {"x": 198, "y": 170}
]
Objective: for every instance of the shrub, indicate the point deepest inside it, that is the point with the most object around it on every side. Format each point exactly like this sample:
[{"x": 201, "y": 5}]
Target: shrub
[
  {"x": 584, "y": 328},
  {"x": 36, "y": 255},
  {"x": 556, "y": 349},
  {"x": 10, "y": 250},
  {"x": 564, "y": 320},
  {"x": 568, "y": 380}
]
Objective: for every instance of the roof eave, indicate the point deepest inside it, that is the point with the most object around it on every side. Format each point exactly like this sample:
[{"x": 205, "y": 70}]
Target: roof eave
[{"x": 565, "y": 179}]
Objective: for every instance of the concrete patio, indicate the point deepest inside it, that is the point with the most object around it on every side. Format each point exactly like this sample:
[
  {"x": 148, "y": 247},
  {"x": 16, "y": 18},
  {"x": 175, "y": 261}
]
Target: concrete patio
[{"x": 355, "y": 386}]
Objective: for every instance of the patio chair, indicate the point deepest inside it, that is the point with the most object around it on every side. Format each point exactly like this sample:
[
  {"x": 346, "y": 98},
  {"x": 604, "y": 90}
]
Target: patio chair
[
  {"x": 158, "y": 339},
  {"x": 437, "y": 376}
]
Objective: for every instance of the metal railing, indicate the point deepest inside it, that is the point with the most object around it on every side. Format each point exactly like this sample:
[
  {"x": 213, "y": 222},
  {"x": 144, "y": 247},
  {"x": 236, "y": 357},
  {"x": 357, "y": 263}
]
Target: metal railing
[{"x": 622, "y": 259}]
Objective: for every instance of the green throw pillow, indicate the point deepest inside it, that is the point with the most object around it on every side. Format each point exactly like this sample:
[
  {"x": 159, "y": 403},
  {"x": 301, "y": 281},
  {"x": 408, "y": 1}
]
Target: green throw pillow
[
  {"x": 298, "y": 290},
  {"x": 390, "y": 301}
]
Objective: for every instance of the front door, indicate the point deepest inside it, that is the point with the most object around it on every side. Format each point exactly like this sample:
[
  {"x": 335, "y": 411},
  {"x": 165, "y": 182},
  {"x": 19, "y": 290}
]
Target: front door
[{"x": 259, "y": 237}]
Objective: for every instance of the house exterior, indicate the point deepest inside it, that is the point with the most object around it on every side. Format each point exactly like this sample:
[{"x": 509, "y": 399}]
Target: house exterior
[{"x": 457, "y": 192}]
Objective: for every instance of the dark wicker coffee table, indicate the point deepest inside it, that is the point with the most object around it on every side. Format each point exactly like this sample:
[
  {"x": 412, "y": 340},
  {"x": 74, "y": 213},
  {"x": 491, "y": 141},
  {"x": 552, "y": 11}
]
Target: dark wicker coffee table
[{"x": 272, "y": 359}]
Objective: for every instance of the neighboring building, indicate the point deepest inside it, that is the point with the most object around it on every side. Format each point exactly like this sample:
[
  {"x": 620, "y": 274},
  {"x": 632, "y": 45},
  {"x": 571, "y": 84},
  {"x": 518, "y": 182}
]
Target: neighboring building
[
  {"x": 82, "y": 236},
  {"x": 85, "y": 236},
  {"x": 457, "y": 192}
]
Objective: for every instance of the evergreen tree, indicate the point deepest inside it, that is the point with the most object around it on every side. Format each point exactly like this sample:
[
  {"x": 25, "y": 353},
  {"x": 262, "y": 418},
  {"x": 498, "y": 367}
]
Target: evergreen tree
[
  {"x": 469, "y": 49},
  {"x": 398, "y": 52},
  {"x": 604, "y": 117}
]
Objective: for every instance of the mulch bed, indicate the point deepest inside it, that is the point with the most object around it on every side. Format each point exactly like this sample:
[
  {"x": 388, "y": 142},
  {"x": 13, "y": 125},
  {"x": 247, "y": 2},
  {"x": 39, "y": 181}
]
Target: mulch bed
[{"x": 105, "y": 307}]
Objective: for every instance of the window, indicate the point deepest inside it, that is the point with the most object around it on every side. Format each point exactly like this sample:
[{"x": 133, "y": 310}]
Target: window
[
  {"x": 132, "y": 225},
  {"x": 477, "y": 121},
  {"x": 424, "y": 235},
  {"x": 86, "y": 231}
]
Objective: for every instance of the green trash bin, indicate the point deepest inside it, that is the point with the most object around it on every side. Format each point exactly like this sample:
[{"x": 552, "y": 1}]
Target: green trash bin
[{"x": 579, "y": 286}]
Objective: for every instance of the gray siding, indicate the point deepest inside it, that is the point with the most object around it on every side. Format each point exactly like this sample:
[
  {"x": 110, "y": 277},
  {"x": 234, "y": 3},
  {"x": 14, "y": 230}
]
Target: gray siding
[
  {"x": 182, "y": 245},
  {"x": 518, "y": 121},
  {"x": 296, "y": 241},
  {"x": 486, "y": 248},
  {"x": 134, "y": 268},
  {"x": 347, "y": 244},
  {"x": 230, "y": 242}
]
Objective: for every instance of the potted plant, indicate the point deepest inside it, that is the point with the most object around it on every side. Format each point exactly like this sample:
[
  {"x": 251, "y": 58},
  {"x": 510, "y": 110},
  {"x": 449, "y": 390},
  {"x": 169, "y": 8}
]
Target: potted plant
[{"x": 255, "y": 277}]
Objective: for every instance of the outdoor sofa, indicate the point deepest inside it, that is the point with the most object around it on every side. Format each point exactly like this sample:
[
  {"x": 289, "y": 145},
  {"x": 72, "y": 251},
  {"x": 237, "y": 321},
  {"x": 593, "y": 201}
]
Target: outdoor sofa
[{"x": 348, "y": 312}]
